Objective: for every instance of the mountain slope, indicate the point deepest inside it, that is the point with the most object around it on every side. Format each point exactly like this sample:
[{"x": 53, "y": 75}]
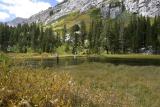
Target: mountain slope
[
  {"x": 109, "y": 8},
  {"x": 17, "y": 21}
]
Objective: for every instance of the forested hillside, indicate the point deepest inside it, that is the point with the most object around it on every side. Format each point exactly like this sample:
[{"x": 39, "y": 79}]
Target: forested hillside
[{"x": 136, "y": 35}]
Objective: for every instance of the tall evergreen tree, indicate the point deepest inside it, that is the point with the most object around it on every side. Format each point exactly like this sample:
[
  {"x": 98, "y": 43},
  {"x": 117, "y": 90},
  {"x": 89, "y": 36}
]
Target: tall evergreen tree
[
  {"x": 74, "y": 32},
  {"x": 83, "y": 32}
]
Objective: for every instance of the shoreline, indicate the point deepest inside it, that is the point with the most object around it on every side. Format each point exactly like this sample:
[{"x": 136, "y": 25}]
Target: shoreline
[{"x": 50, "y": 56}]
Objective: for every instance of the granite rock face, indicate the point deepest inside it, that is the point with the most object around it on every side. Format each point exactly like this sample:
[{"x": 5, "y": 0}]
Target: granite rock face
[
  {"x": 149, "y": 8},
  {"x": 111, "y": 10},
  {"x": 70, "y": 6}
]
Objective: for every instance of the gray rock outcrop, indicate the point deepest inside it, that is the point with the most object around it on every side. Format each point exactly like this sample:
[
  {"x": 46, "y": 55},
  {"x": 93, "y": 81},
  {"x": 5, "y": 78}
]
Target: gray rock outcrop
[{"x": 149, "y": 8}]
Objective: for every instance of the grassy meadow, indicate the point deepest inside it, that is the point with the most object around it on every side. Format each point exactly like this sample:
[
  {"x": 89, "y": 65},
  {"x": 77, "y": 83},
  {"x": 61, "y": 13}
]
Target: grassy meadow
[{"x": 84, "y": 85}]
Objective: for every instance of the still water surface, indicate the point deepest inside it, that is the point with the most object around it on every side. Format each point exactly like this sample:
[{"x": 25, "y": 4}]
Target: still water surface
[{"x": 71, "y": 60}]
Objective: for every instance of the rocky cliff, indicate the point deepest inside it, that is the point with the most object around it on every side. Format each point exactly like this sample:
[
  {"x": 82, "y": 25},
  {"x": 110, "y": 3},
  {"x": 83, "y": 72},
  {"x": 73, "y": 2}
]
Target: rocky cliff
[
  {"x": 149, "y": 8},
  {"x": 108, "y": 8}
]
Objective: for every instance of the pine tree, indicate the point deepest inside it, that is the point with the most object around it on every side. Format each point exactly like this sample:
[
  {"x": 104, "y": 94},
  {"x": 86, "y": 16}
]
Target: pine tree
[
  {"x": 122, "y": 37},
  {"x": 155, "y": 35},
  {"x": 83, "y": 32},
  {"x": 64, "y": 32},
  {"x": 74, "y": 32},
  {"x": 148, "y": 33}
]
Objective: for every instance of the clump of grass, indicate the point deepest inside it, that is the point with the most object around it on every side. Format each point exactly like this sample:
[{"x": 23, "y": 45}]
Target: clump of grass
[
  {"x": 35, "y": 86},
  {"x": 3, "y": 57},
  {"x": 22, "y": 86}
]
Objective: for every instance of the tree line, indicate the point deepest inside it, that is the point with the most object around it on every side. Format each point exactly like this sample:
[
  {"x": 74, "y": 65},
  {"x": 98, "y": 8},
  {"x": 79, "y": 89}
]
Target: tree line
[
  {"x": 113, "y": 36},
  {"x": 26, "y": 37},
  {"x": 116, "y": 36},
  {"x": 140, "y": 34}
]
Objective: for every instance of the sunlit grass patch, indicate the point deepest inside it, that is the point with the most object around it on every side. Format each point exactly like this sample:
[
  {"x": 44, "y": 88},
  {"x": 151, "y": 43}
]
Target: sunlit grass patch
[
  {"x": 45, "y": 88},
  {"x": 86, "y": 85},
  {"x": 3, "y": 57}
]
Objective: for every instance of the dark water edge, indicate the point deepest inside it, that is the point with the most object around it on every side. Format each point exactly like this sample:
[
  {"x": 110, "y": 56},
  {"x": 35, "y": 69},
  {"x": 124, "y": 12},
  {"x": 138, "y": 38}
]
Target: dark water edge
[
  {"x": 70, "y": 60},
  {"x": 128, "y": 61}
]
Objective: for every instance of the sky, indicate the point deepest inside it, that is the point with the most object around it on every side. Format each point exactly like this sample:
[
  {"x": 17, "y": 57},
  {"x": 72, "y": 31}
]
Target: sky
[{"x": 10, "y": 9}]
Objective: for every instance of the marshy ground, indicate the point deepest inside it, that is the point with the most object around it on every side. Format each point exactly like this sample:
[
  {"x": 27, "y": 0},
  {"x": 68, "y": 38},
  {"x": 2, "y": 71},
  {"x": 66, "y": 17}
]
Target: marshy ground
[{"x": 85, "y": 85}]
